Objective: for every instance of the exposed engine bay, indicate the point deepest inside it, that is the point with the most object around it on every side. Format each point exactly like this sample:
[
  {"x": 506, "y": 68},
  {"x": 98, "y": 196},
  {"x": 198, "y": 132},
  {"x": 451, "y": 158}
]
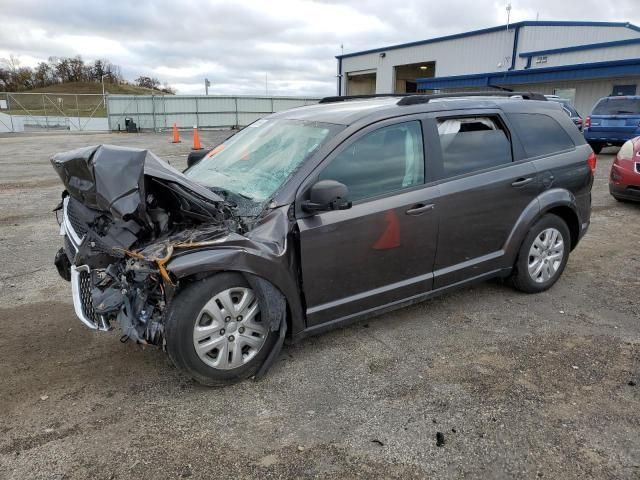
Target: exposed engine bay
[{"x": 125, "y": 214}]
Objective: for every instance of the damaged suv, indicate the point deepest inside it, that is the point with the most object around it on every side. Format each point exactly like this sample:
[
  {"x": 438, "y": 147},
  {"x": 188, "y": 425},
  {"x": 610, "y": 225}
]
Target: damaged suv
[{"x": 318, "y": 216}]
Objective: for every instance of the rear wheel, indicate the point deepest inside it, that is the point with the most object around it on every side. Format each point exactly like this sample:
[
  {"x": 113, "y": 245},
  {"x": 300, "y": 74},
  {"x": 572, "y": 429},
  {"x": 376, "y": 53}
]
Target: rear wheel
[
  {"x": 543, "y": 255},
  {"x": 215, "y": 332}
]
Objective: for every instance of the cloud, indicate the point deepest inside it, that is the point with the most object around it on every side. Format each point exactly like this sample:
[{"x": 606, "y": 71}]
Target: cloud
[{"x": 235, "y": 43}]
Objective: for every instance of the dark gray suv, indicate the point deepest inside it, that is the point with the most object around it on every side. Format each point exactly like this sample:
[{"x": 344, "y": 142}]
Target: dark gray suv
[{"x": 318, "y": 216}]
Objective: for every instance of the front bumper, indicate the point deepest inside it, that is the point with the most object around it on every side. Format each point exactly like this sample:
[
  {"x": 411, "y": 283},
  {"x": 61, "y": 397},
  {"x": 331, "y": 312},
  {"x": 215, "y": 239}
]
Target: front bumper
[
  {"x": 80, "y": 276},
  {"x": 625, "y": 192}
]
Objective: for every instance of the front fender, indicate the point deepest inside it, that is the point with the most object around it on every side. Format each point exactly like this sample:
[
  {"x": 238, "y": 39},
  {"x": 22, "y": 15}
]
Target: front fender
[
  {"x": 277, "y": 269},
  {"x": 547, "y": 200}
]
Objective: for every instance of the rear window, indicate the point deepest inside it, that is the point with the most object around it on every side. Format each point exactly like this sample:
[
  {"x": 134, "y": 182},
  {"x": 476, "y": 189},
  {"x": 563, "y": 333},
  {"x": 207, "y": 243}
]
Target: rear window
[
  {"x": 470, "y": 144},
  {"x": 540, "y": 134},
  {"x": 617, "y": 106}
]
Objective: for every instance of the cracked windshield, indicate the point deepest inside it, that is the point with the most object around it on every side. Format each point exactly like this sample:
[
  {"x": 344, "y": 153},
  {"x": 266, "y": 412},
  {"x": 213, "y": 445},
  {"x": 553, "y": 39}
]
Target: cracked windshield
[{"x": 255, "y": 162}]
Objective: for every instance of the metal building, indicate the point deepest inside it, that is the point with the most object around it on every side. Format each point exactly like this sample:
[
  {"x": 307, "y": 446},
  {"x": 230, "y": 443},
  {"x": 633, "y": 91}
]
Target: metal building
[{"x": 581, "y": 61}]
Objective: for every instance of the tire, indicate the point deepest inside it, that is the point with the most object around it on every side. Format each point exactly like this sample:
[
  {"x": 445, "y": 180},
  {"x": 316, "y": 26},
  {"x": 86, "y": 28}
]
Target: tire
[
  {"x": 541, "y": 233},
  {"x": 596, "y": 147},
  {"x": 230, "y": 350}
]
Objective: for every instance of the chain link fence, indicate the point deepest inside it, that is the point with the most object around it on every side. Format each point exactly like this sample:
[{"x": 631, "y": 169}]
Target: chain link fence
[
  {"x": 52, "y": 111},
  {"x": 160, "y": 112},
  {"x": 21, "y": 112}
]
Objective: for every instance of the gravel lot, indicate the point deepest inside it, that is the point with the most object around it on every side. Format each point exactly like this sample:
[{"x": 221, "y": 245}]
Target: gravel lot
[{"x": 521, "y": 386}]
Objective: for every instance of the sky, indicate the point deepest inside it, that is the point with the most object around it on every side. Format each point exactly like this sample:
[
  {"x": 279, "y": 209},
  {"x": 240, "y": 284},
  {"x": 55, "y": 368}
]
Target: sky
[{"x": 238, "y": 45}]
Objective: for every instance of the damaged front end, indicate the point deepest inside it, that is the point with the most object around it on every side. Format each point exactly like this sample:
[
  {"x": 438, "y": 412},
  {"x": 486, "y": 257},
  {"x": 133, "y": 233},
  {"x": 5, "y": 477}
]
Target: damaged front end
[{"x": 124, "y": 214}]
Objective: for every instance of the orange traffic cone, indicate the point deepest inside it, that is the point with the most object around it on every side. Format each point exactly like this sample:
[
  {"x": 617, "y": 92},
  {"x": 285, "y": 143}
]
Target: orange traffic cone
[
  {"x": 196, "y": 139},
  {"x": 176, "y": 134}
]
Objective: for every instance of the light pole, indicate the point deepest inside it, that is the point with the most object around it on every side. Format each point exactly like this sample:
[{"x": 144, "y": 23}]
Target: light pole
[
  {"x": 207, "y": 84},
  {"x": 104, "y": 100}
]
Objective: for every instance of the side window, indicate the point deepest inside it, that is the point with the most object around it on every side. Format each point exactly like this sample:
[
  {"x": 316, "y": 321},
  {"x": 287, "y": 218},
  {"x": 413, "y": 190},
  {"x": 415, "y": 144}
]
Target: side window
[
  {"x": 383, "y": 161},
  {"x": 470, "y": 144},
  {"x": 540, "y": 134}
]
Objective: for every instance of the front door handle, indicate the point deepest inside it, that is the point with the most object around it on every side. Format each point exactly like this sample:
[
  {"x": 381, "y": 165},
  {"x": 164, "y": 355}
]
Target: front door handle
[
  {"x": 419, "y": 209},
  {"x": 521, "y": 182}
]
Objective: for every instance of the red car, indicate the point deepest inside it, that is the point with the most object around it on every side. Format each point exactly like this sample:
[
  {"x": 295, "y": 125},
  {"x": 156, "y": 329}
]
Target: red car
[{"x": 624, "y": 181}]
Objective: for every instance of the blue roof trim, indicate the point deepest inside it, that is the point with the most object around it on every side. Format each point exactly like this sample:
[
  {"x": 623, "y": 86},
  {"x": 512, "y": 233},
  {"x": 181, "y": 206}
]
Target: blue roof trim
[
  {"x": 516, "y": 37},
  {"x": 589, "y": 46},
  {"x": 537, "y": 75},
  {"x": 526, "y": 23}
]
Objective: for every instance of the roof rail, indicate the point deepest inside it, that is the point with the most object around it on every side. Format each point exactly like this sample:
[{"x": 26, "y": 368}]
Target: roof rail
[
  {"x": 358, "y": 97},
  {"x": 417, "y": 99}
]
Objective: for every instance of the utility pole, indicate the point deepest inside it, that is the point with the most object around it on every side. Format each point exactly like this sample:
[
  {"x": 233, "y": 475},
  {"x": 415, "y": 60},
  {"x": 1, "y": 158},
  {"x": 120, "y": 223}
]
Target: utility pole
[
  {"x": 207, "y": 84},
  {"x": 104, "y": 99},
  {"x": 508, "y": 14}
]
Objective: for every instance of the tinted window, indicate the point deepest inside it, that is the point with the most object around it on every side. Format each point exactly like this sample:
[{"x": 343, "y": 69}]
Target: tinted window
[
  {"x": 617, "y": 106},
  {"x": 382, "y": 161},
  {"x": 472, "y": 144},
  {"x": 541, "y": 134}
]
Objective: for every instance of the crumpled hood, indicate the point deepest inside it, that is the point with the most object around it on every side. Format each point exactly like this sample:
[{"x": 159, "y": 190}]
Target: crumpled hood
[{"x": 110, "y": 178}]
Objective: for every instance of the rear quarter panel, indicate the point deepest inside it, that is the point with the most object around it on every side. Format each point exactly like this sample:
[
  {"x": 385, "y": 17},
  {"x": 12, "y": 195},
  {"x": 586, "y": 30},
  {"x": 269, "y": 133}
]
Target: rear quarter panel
[{"x": 568, "y": 172}]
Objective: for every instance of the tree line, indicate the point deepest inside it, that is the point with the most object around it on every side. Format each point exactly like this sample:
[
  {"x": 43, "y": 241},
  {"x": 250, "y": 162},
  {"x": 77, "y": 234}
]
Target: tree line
[{"x": 15, "y": 78}]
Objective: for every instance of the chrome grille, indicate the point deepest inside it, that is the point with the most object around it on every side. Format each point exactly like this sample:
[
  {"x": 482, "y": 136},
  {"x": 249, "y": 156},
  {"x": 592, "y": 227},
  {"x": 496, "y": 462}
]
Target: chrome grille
[
  {"x": 82, "y": 304},
  {"x": 85, "y": 296}
]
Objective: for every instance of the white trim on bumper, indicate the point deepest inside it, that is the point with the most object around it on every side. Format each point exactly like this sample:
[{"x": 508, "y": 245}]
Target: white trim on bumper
[{"x": 76, "y": 293}]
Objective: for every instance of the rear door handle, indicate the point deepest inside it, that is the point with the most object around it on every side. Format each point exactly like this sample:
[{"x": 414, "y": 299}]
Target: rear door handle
[
  {"x": 521, "y": 182},
  {"x": 419, "y": 209}
]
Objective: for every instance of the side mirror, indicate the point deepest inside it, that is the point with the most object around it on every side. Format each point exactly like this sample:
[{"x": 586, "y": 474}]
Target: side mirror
[
  {"x": 195, "y": 157},
  {"x": 327, "y": 195}
]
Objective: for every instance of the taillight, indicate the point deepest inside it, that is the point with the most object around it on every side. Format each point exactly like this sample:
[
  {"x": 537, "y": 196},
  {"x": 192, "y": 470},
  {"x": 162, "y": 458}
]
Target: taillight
[
  {"x": 591, "y": 161},
  {"x": 587, "y": 122}
]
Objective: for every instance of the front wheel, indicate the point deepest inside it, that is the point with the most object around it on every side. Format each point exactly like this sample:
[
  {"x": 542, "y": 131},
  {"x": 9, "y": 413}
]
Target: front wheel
[
  {"x": 543, "y": 255},
  {"x": 215, "y": 332}
]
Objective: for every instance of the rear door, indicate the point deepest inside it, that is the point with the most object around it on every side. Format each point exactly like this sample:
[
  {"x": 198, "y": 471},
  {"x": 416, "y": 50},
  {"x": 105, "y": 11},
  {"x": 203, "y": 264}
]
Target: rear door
[
  {"x": 483, "y": 191},
  {"x": 382, "y": 249}
]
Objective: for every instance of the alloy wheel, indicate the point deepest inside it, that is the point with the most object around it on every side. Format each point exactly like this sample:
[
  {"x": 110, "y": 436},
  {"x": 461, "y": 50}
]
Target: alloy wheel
[
  {"x": 228, "y": 331},
  {"x": 545, "y": 255}
]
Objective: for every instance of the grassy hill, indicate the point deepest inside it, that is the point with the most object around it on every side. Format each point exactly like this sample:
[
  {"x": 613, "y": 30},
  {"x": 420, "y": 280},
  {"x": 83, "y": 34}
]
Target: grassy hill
[
  {"x": 93, "y": 87},
  {"x": 56, "y": 101}
]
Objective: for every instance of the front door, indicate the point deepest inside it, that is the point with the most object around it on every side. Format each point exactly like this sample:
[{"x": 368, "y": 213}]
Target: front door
[{"x": 382, "y": 249}]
